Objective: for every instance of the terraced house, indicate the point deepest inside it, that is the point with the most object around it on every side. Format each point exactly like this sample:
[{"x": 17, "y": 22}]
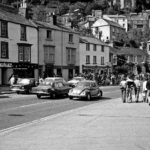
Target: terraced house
[
  {"x": 58, "y": 50},
  {"x": 18, "y": 45}
]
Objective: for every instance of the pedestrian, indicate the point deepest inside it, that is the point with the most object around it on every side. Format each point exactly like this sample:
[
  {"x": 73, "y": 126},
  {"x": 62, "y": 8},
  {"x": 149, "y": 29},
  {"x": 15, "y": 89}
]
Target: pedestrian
[
  {"x": 130, "y": 86},
  {"x": 137, "y": 88},
  {"x": 12, "y": 80},
  {"x": 144, "y": 91},
  {"x": 148, "y": 91},
  {"x": 123, "y": 85}
]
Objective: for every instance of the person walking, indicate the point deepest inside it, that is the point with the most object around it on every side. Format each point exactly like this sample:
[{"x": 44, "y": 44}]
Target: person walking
[
  {"x": 144, "y": 90},
  {"x": 130, "y": 86},
  {"x": 148, "y": 91},
  {"x": 123, "y": 85},
  {"x": 137, "y": 88}
]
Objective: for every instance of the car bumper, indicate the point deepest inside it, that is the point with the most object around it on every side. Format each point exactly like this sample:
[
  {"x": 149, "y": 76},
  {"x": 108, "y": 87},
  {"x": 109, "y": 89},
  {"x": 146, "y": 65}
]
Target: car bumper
[
  {"x": 41, "y": 93},
  {"x": 18, "y": 90},
  {"x": 77, "y": 95}
]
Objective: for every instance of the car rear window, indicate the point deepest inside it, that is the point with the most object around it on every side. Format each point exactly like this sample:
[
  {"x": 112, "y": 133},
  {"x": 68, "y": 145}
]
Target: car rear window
[{"x": 23, "y": 81}]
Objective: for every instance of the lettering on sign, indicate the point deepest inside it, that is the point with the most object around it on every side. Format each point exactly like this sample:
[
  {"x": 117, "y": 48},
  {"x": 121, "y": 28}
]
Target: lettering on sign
[{"x": 5, "y": 64}]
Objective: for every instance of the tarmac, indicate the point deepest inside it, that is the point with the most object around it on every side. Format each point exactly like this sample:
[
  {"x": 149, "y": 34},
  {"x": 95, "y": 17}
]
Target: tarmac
[
  {"x": 5, "y": 89},
  {"x": 105, "y": 125}
]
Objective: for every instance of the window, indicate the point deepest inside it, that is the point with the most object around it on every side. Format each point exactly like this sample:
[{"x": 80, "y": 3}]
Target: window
[
  {"x": 117, "y": 31},
  {"x": 94, "y": 47},
  {"x": 113, "y": 29},
  {"x": 49, "y": 54},
  {"x": 102, "y": 50},
  {"x": 87, "y": 59},
  {"x": 4, "y": 50},
  {"x": 123, "y": 19},
  {"x": 102, "y": 60},
  {"x": 96, "y": 30},
  {"x": 4, "y": 29},
  {"x": 49, "y": 34},
  {"x": 23, "y": 32},
  {"x": 71, "y": 55},
  {"x": 24, "y": 53},
  {"x": 71, "y": 38},
  {"x": 123, "y": 25},
  {"x": 134, "y": 58},
  {"x": 94, "y": 60},
  {"x": 87, "y": 46},
  {"x": 149, "y": 47}
]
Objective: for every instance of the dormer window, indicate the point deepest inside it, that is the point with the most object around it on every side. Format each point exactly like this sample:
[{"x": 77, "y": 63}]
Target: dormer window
[{"x": 23, "y": 32}]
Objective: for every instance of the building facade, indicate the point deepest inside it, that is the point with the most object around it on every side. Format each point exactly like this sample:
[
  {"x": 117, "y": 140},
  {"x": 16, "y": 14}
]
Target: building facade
[
  {"x": 18, "y": 46},
  {"x": 58, "y": 51},
  {"x": 108, "y": 30},
  {"x": 93, "y": 55}
]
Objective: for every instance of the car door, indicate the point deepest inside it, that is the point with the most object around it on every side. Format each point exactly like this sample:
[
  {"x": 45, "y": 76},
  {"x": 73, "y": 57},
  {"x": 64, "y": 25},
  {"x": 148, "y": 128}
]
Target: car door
[{"x": 94, "y": 89}]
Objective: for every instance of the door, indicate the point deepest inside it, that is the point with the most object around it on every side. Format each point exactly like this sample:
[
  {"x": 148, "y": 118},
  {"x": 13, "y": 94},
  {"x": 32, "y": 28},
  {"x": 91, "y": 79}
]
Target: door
[
  {"x": 4, "y": 75},
  {"x": 70, "y": 74},
  {"x": 94, "y": 89}
]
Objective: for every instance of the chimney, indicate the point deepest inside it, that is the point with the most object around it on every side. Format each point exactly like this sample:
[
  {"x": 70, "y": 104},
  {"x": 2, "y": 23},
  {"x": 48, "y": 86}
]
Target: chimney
[
  {"x": 98, "y": 14},
  {"x": 23, "y": 9}
]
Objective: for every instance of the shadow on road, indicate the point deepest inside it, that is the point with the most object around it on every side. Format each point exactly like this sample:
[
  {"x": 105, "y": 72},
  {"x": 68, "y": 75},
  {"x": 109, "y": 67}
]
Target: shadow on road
[
  {"x": 4, "y": 96},
  {"x": 93, "y": 99}
]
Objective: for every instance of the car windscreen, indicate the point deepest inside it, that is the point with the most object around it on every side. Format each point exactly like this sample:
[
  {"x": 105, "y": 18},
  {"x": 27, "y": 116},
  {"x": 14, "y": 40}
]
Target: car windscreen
[
  {"x": 23, "y": 81},
  {"x": 83, "y": 84}
]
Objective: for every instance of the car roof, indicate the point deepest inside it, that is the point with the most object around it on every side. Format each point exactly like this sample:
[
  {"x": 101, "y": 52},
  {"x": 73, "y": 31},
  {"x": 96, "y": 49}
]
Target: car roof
[
  {"x": 78, "y": 77},
  {"x": 53, "y": 78}
]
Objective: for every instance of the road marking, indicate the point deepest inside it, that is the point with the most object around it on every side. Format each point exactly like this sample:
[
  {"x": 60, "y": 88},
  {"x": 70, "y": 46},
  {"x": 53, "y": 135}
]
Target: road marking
[{"x": 8, "y": 130}]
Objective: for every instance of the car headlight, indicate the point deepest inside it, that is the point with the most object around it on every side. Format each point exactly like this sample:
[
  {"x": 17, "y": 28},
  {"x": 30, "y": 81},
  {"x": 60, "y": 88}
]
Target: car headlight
[
  {"x": 22, "y": 87},
  {"x": 70, "y": 91},
  {"x": 82, "y": 93}
]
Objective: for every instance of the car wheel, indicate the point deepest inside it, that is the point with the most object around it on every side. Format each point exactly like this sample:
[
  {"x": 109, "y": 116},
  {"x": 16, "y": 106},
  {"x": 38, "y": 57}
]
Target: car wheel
[
  {"x": 70, "y": 97},
  {"x": 38, "y": 96},
  {"x": 27, "y": 92},
  {"x": 88, "y": 96},
  {"x": 53, "y": 95},
  {"x": 18, "y": 92}
]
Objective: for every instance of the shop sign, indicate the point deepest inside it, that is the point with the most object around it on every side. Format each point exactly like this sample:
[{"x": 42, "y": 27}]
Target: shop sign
[{"x": 6, "y": 64}]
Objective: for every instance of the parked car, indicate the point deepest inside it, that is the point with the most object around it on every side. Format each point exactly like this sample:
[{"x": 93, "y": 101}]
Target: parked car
[
  {"x": 51, "y": 87},
  {"x": 86, "y": 89},
  {"x": 75, "y": 81},
  {"x": 23, "y": 85}
]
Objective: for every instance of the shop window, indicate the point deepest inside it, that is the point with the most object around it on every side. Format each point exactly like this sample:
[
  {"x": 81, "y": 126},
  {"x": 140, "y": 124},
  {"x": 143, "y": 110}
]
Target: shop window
[
  {"x": 24, "y": 53},
  {"x": 4, "y": 50},
  {"x": 71, "y": 56},
  {"x": 4, "y": 29},
  {"x": 49, "y": 55},
  {"x": 23, "y": 32}
]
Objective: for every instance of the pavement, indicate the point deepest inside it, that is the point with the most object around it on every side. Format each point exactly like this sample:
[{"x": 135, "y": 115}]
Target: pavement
[{"x": 105, "y": 125}]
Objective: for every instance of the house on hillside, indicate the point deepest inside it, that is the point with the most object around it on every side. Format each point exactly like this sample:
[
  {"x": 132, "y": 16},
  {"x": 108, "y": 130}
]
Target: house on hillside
[{"x": 18, "y": 45}]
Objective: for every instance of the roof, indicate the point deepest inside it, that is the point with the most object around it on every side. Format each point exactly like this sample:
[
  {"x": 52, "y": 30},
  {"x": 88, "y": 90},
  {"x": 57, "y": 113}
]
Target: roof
[
  {"x": 90, "y": 81},
  {"x": 15, "y": 18},
  {"x": 91, "y": 40},
  {"x": 51, "y": 26},
  {"x": 113, "y": 50},
  {"x": 130, "y": 51},
  {"x": 116, "y": 16},
  {"x": 113, "y": 23}
]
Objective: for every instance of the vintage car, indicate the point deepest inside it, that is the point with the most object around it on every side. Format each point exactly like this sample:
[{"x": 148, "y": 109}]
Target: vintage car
[
  {"x": 75, "y": 80},
  {"x": 23, "y": 85},
  {"x": 86, "y": 89},
  {"x": 51, "y": 87}
]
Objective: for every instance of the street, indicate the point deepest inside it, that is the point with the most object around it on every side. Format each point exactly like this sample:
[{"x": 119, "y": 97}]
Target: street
[
  {"x": 45, "y": 124},
  {"x": 18, "y": 109}
]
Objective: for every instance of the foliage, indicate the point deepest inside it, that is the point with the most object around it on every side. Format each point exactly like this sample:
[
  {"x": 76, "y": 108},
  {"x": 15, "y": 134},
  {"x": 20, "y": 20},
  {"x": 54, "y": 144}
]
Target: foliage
[
  {"x": 147, "y": 66},
  {"x": 139, "y": 69},
  {"x": 121, "y": 60},
  {"x": 121, "y": 69}
]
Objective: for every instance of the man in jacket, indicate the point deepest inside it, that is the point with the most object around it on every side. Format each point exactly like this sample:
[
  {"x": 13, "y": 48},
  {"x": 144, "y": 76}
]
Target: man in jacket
[{"x": 123, "y": 85}]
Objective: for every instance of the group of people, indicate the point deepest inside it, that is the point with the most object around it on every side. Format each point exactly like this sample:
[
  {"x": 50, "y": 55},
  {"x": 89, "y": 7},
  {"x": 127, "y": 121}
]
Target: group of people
[{"x": 131, "y": 83}]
